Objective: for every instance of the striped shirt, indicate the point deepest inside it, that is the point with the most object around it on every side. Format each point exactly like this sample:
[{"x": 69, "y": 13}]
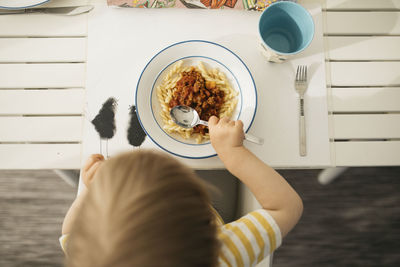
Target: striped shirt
[
  {"x": 244, "y": 242},
  {"x": 247, "y": 241}
]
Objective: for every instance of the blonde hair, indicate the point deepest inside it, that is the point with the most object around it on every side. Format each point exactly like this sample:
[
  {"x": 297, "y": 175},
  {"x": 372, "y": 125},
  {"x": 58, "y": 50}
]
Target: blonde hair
[{"x": 144, "y": 209}]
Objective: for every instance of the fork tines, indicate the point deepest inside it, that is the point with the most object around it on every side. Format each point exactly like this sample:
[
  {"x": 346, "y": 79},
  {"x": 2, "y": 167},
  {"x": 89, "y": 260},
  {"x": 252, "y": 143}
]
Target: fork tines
[{"x": 301, "y": 73}]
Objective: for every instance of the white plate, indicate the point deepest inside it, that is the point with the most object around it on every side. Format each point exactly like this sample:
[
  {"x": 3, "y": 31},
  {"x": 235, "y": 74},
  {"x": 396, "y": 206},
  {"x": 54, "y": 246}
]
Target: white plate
[
  {"x": 191, "y": 52},
  {"x": 21, "y": 4}
]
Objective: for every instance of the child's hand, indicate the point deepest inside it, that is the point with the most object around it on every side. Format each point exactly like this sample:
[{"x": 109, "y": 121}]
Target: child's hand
[
  {"x": 225, "y": 134},
  {"x": 91, "y": 166}
]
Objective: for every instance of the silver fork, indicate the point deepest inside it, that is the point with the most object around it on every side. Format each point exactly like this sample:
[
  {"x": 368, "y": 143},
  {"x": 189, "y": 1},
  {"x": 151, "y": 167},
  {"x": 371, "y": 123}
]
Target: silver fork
[{"x": 301, "y": 86}]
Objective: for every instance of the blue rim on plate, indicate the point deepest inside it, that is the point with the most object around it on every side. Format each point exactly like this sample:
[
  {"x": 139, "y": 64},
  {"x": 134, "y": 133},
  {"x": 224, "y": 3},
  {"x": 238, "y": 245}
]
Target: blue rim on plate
[
  {"x": 23, "y": 7},
  {"x": 154, "y": 83},
  {"x": 182, "y": 42}
]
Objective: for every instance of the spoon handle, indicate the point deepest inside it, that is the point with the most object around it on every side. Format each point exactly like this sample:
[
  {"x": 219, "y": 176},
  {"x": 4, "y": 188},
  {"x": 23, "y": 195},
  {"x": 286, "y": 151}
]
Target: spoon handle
[
  {"x": 253, "y": 139},
  {"x": 203, "y": 122},
  {"x": 248, "y": 137}
]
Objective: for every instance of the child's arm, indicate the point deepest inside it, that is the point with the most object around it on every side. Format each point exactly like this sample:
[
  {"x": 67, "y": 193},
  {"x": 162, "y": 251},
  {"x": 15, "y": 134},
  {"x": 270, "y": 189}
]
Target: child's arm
[
  {"x": 268, "y": 186},
  {"x": 88, "y": 172}
]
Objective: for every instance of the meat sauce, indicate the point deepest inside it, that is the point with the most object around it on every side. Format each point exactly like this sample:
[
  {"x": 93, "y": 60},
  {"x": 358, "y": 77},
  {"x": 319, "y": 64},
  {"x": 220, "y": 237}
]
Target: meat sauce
[{"x": 194, "y": 91}]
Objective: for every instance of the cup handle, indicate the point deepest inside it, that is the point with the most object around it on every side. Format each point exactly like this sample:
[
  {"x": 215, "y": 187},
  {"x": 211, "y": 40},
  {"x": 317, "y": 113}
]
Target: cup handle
[{"x": 270, "y": 55}]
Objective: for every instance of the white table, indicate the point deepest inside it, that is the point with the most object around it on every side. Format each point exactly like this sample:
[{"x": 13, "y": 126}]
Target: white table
[
  {"x": 42, "y": 85},
  {"x": 114, "y": 67}
]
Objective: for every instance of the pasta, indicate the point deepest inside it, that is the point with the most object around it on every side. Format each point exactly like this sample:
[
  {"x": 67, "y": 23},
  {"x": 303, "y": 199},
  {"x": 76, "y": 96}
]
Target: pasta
[{"x": 220, "y": 89}]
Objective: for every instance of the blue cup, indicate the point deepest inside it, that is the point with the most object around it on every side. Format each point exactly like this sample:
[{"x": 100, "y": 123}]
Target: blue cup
[{"x": 285, "y": 29}]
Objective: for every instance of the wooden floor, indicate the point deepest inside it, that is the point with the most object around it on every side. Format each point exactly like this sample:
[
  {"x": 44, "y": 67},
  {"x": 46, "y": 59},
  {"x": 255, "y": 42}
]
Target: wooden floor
[
  {"x": 354, "y": 221},
  {"x": 32, "y": 207}
]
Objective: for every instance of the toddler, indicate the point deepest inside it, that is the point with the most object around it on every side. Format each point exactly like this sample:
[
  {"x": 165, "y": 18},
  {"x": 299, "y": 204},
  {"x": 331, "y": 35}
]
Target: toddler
[{"x": 144, "y": 208}]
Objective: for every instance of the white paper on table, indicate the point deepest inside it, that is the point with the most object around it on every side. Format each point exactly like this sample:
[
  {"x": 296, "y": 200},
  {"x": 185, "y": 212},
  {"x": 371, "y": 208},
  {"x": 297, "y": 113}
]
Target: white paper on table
[{"x": 122, "y": 40}]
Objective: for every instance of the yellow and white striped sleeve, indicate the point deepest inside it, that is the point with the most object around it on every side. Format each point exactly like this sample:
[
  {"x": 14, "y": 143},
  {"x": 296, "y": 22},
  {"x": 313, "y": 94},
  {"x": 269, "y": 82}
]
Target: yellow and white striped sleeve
[
  {"x": 249, "y": 240},
  {"x": 63, "y": 242}
]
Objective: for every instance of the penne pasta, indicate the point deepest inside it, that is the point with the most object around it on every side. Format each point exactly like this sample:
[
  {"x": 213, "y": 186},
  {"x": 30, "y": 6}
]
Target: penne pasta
[{"x": 165, "y": 92}]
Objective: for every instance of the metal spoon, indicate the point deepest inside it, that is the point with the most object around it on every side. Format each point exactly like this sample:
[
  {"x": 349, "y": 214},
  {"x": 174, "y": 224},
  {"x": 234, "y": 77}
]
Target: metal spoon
[
  {"x": 66, "y": 11},
  {"x": 188, "y": 117}
]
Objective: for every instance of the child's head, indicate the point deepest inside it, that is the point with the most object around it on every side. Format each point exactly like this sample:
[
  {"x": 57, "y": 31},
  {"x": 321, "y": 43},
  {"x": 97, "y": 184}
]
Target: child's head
[{"x": 144, "y": 209}]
